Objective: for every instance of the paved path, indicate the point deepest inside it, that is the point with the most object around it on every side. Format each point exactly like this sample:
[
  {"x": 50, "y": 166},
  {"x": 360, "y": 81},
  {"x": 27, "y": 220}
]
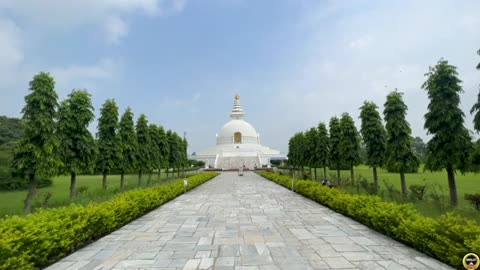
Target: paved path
[{"x": 245, "y": 223}]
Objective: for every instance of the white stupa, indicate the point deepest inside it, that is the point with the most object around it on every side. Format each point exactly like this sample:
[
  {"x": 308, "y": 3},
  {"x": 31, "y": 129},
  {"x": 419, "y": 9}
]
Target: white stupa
[{"x": 238, "y": 144}]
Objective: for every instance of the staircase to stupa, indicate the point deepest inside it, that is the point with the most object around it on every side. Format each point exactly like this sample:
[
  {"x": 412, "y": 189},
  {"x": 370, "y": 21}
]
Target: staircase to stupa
[{"x": 238, "y": 162}]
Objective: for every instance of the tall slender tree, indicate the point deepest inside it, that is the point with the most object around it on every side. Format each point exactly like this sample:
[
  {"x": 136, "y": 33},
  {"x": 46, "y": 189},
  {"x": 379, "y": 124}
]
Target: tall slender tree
[
  {"x": 77, "y": 145},
  {"x": 164, "y": 150},
  {"x": 374, "y": 137},
  {"x": 128, "y": 145},
  {"x": 322, "y": 148},
  {"x": 451, "y": 143},
  {"x": 399, "y": 153},
  {"x": 34, "y": 154},
  {"x": 108, "y": 142},
  {"x": 349, "y": 143},
  {"x": 155, "y": 155},
  {"x": 478, "y": 65},
  {"x": 144, "y": 158},
  {"x": 334, "y": 157},
  {"x": 311, "y": 149}
]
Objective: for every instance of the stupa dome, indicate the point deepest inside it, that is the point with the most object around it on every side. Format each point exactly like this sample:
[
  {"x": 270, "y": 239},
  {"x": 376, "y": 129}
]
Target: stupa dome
[{"x": 237, "y": 130}]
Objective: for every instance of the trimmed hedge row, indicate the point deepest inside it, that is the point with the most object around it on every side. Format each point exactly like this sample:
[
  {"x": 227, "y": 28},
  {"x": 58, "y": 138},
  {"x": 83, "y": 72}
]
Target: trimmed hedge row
[
  {"x": 447, "y": 238},
  {"x": 41, "y": 238}
]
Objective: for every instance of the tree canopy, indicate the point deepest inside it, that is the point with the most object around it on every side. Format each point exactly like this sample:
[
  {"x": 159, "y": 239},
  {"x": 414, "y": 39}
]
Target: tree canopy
[
  {"x": 349, "y": 143},
  {"x": 374, "y": 136},
  {"x": 334, "y": 155},
  {"x": 451, "y": 143},
  {"x": 35, "y": 152},
  {"x": 144, "y": 159},
  {"x": 399, "y": 154},
  {"x": 322, "y": 149},
  {"x": 128, "y": 144},
  {"x": 108, "y": 141},
  {"x": 77, "y": 145},
  {"x": 11, "y": 129}
]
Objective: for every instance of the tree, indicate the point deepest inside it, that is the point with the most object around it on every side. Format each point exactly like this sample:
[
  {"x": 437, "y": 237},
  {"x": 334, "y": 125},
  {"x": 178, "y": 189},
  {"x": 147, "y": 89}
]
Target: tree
[
  {"x": 399, "y": 154},
  {"x": 322, "y": 148},
  {"x": 34, "y": 154},
  {"x": 108, "y": 141},
  {"x": 154, "y": 148},
  {"x": 451, "y": 143},
  {"x": 164, "y": 150},
  {"x": 374, "y": 137},
  {"x": 334, "y": 157},
  {"x": 349, "y": 143},
  {"x": 77, "y": 145},
  {"x": 296, "y": 151},
  {"x": 311, "y": 148},
  {"x": 144, "y": 142},
  {"x": 420, "y": 148},
  {"x": 476, "y": 107},
  {"x": 478, "y": 65},
  {"x": 128, "y": 145},
  {"x": 11, "y": 129}
]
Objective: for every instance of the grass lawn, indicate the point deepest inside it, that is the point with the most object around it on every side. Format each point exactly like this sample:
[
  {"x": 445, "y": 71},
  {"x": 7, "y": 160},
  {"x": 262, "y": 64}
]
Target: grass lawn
[
  {"x": 11, "y": 202},
  {"x": 466, "y": 183}
]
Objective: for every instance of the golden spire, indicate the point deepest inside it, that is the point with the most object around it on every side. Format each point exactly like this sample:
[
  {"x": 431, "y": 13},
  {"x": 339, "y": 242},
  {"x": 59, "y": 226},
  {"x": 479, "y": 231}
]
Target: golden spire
[{"x": 237, "y": 97}]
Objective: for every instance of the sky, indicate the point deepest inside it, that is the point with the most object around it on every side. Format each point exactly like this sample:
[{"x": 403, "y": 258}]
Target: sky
[{"x": 295, "y": 63}]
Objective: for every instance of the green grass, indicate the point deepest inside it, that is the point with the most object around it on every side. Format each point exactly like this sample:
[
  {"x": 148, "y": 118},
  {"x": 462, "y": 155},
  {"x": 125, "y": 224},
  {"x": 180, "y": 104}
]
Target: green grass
[
  {"x": 466, "y": 183},
  {"x": 11, "y": 202}
]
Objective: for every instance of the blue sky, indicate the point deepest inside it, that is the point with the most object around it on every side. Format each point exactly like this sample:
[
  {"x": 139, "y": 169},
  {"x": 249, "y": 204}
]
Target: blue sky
[{"x": 294, "y": 62}]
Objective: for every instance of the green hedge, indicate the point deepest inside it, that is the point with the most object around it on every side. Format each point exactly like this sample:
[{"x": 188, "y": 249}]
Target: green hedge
[
  {"x": 447, "y": 238},
  {"x": 41, "y": 238}
]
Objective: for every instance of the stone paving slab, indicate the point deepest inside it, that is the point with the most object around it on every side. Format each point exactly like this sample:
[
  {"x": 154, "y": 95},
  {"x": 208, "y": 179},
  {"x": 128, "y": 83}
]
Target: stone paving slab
[{"x": 245, "y": 223}]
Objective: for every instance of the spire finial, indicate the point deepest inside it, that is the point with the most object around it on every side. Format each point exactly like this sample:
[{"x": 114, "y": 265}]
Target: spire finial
[{"x": 237, "y": 112}]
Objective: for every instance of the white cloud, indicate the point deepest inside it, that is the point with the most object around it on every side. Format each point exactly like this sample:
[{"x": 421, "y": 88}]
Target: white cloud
[
  {"x": 66, "y": 15},
  {"x": 84, "y": 76},
  {"x": 361, "y": 42},
  {"x": 116, "y": 29},
  {"x": 365, "y": 55},
  {"x": 11, "y": 54}
]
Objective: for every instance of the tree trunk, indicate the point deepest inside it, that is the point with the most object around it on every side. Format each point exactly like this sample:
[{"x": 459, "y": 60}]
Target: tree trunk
[
  {"x": 149, "y": 178},
  {"x": 315, "y": 174},
  {"x": 158, "y": 175},
  {"x": 452, "y": 187},
  {"x": 338, "y": 176},
  {"x": 352, "y": 174},
  {"x": 104, "y": 181},
  {"x": 402, "y": 182},
  {"x": 122, "y": 180},
  {"x": 325, "y": 172},
  {"x": 73, "y": 178},
  {"x": 166, "y": 173},
  {"x": 375, "y": 179},
  {"x": 32, "y": 186},
  {"x": 178, "y": 172},
  {"x": 139, "y": 177}
]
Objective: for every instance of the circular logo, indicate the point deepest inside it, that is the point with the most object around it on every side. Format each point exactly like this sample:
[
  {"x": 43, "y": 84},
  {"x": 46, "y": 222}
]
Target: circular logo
[{"x": 471, "y": 261}]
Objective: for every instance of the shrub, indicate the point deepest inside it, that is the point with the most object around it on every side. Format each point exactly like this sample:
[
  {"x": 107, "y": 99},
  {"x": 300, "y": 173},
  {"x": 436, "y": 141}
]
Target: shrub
[
  {"x": 81, "y": 189},
  {"x": 447, "y": 238},
  {"x": 418, "y": 191},
  {"x": 41, "y": 238},
  {"x": 474, "y": 200}
]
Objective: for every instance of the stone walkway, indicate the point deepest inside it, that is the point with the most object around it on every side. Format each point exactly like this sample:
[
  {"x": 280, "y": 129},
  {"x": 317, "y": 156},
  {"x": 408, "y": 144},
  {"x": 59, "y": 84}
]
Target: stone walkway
[{"x": 245, "y": 223}]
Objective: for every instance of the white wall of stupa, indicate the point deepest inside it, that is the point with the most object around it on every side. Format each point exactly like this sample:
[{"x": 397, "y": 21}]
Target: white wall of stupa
[{"x": 237, "y": 144}]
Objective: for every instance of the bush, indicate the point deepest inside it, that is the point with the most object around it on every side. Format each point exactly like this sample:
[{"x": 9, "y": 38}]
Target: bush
[
  {"x": 418, "y": 191},
  {"x": 9, "y": 182},
  {"x": 474, "y": 200},
  {"x": 447, "y": 238},
  {"x": 41, "y": 238}
]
